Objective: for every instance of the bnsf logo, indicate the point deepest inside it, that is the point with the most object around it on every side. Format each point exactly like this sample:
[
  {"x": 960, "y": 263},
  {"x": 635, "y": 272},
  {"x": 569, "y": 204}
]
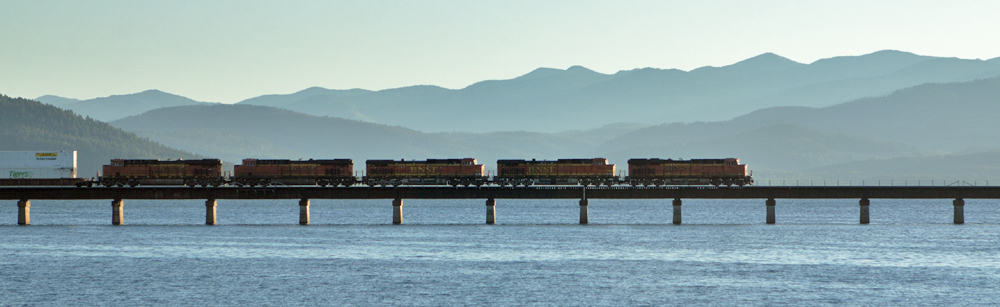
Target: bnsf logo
[
  {"x": 424, "y": 169},
  {"x": 542, "y": 169}
]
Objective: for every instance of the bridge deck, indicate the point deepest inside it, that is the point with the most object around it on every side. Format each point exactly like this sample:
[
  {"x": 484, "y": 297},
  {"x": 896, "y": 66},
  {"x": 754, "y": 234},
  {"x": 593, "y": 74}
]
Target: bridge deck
[{"x": 801, "y": 192}]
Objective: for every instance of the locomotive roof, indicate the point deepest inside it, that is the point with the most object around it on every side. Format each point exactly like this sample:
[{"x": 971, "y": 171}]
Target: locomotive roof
[
  {"x": 310, "y": 161},
  {"x": 179, "y": 161},
  {"x": 559, "y": 161},
  {"x": 678, "y": 161},
  {"x": 428, "y": 161}
]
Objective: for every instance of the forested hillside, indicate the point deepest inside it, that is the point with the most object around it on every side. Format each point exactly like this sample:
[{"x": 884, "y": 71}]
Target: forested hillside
[{"x": 31, "y": 125}]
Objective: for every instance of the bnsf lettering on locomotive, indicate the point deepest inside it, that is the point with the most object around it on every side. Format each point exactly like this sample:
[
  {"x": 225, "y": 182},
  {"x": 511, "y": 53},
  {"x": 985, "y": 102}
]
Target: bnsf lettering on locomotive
[
  {"x": 542, "y": 169},
  {"x": 424, "y": 169}
]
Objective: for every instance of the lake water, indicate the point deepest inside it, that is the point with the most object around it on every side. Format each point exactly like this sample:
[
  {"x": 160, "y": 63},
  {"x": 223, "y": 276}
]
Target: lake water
[{"x": 537, "y": 254}]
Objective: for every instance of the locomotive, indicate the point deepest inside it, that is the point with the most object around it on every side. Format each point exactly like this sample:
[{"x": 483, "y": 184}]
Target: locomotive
[
  {"x": 121, "y": 172},
  {"x": 715, "y": 172},
  {"x": 583, "y": 172},
  {"x": 454, "y": 172},
  {"x": 265, "y": 172}
]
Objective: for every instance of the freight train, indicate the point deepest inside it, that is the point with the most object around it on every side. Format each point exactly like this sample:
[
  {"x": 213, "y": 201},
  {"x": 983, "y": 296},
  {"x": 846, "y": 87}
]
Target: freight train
[{"x": 454, "y": 172}]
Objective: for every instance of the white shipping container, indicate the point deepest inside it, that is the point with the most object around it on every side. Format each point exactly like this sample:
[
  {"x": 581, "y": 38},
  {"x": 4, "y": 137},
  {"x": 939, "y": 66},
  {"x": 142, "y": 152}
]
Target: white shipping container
[{"x": 37, "y": 164}]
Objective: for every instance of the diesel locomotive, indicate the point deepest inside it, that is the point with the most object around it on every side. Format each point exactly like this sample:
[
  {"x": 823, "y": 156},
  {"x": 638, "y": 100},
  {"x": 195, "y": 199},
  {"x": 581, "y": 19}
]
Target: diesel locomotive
[
  {"x": 583, "y": 172},
  {"x": 454, "y": 172},
  {"x": 122, "y": 172},
  {"x": 266, "y": 172},
  {"x": 715, "y": 172}
]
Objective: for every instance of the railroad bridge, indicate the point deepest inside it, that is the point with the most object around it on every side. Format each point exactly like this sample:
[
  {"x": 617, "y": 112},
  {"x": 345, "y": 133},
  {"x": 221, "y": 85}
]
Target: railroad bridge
[{"x": 769, "y": 194}]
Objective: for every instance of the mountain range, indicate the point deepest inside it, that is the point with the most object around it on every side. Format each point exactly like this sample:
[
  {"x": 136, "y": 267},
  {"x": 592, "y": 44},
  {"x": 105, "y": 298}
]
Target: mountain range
[{"x": 553, "y": 100}]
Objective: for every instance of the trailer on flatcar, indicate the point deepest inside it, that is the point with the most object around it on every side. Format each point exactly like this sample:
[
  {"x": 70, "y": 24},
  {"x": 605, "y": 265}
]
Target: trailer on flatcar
[
  {"x": 453, "y": 172},
  {"x": 40, "y": 168}
]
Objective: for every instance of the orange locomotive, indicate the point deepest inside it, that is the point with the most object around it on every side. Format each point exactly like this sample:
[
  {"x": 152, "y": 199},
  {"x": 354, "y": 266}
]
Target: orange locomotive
[
  {"x": 265, "y": 172},
  {"x": 716, "y": 172},
  {"x": 452, "y": 172},
  {"x": 584, "y": 172},
  {"x": 121, "y": 172}
]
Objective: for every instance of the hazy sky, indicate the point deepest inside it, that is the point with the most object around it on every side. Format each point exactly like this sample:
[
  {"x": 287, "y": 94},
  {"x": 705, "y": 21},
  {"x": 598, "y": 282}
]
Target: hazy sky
[{"x": 227, "y": 51}]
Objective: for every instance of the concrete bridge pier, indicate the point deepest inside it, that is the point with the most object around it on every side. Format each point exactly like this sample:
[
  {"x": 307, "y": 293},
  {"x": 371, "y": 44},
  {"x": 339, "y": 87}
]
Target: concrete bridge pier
[
  {"x": 770, "y": 210},
  {"x": 24, "y": 212},
  {"x": 864, "y": 210},
  {"x": 117, "y": 212},
  {"x": 303, "y": 211},
  {"x": 397, "y": 211},
  {"x": 677, "y": 211},
  {"x": 959, "y": 205},
  {"x": 491, "y": 211},
  {"x": 583, "y": 211},
  {"x": 210, "y": 205}
]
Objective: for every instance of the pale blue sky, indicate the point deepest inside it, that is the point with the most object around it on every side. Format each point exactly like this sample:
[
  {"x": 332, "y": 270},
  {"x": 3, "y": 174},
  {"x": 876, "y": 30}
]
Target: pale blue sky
[{"x": 226, "y": 51}]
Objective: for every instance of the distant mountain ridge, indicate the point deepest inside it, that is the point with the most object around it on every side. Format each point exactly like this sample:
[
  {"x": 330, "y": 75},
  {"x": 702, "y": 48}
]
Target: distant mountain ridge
[
  {"x": 550, "y": 100},
  {"x": 119, "y": 106}
]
